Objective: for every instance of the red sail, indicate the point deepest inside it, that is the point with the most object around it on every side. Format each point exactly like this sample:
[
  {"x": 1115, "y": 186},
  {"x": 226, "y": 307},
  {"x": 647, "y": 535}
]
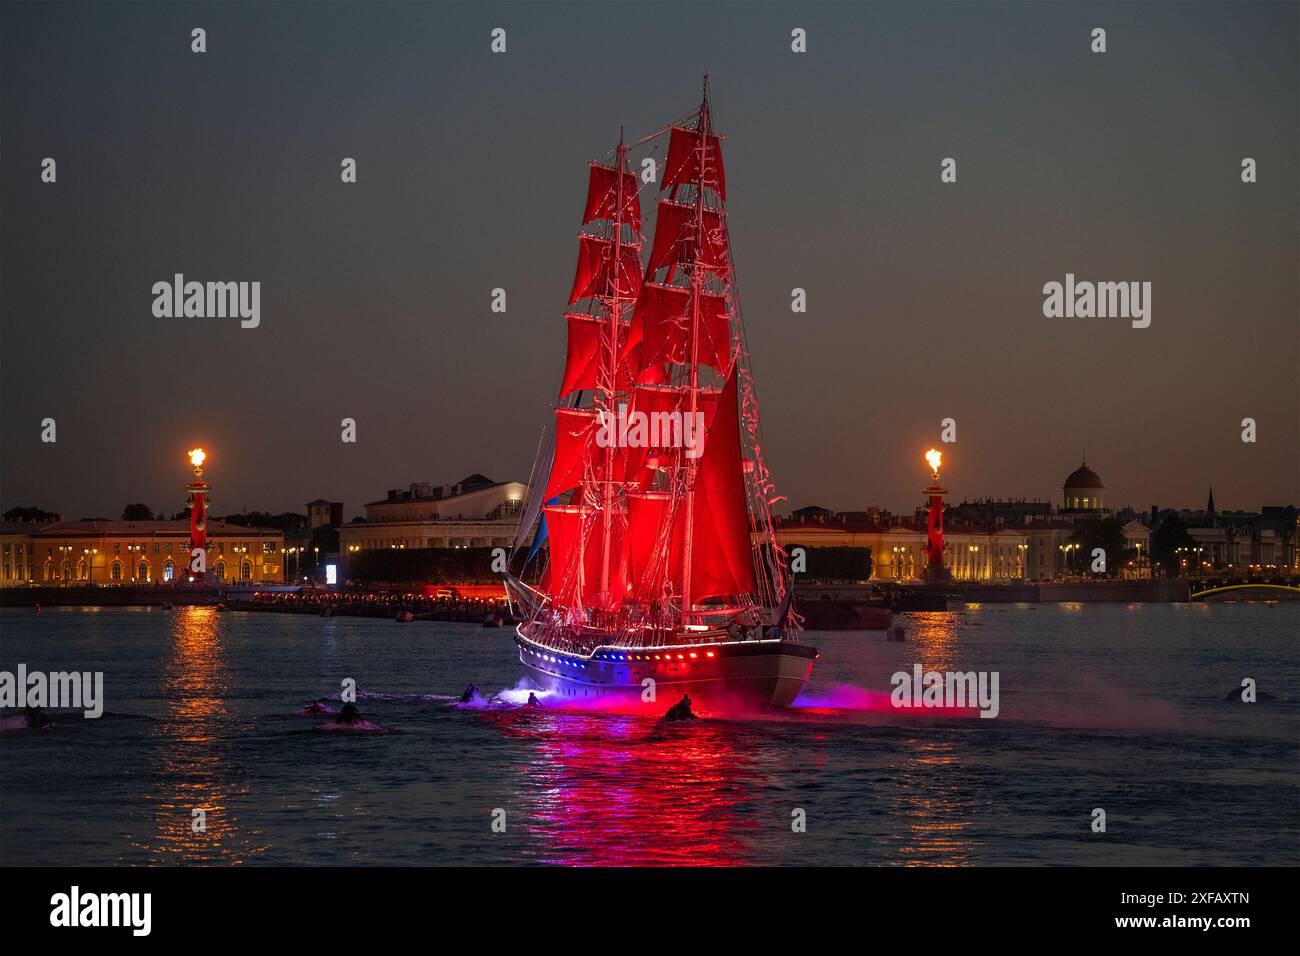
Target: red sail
[
  {"x": 675, "y": 238},
  {"x": 563, "y": 537},
  {"x": 618, "y": 563},
  {"x": 652, "y": 557},
  {"x": 582, "y": 359},
  {"x": 721, "y": 560},
  {"x": 575, "y": 432},
  {"x": 658, "y": 400},
  {"x": 602, "y": 197},
  {"x": 684, "y": 161},
  {"x": 661, "y": 326},
  {"x": 595, "y": 274},
  {"x": 574, "y": 583}
]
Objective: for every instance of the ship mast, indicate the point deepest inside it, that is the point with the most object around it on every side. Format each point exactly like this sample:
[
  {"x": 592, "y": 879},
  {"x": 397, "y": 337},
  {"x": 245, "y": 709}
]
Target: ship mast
[
  {"x": 697, "y": 280},
  {"x": 615, "y": 310}
]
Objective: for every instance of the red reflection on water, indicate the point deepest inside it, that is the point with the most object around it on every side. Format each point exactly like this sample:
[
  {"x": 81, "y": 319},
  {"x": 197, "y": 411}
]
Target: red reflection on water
[{"x": 609, "y": 789}]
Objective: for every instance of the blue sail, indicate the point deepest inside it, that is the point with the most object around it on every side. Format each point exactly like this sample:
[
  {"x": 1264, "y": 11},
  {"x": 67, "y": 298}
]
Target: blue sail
[{"x": 539, "y": 539}]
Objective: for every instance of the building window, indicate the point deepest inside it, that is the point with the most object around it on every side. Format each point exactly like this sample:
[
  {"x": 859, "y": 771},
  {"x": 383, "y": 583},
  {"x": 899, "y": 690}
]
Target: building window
[
  {"x": 116, "y": 571},
  {"x": 117, "y": 547},
  {"x": 220, "y": 570},
  {"x": 142, "y": 572},
  {"x": 169, "y": 569},
  {"x": 245, "y": 571}
]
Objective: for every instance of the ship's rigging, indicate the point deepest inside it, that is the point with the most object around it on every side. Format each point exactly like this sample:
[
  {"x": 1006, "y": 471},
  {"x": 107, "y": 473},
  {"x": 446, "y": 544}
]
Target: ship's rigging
[{"x": 650, "y": 538}]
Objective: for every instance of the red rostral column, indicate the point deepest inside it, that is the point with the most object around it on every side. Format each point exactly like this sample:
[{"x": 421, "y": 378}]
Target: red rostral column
[
  {"x": 198, "y": 489},
  {"x": 934, "y": 570}
]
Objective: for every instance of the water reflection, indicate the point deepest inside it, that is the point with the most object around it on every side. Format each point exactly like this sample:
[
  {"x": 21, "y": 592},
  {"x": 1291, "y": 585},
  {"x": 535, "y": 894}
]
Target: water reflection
[
  {"x": 604, "y": 789},
  {"x": 193, "y": 770},
  {"x": 933, "y": 812},
  {"x": 935, "y": 639}
]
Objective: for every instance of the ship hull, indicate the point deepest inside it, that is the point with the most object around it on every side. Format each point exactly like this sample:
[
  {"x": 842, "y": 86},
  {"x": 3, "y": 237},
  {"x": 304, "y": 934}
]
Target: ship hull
[{"x": 720, "y": 675}]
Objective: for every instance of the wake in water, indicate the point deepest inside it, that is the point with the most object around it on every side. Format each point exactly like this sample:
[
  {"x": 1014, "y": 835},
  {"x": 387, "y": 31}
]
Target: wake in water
[{"x": 1087, "y": 704}]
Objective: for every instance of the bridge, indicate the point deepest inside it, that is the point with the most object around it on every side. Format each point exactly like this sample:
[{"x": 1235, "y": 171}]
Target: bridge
[{"x": 1244, "y": 587}]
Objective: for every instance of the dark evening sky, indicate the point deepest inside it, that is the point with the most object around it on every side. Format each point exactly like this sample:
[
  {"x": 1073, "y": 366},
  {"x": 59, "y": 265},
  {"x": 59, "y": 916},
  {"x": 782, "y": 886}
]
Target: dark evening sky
[{"x": 925, "y": 298}]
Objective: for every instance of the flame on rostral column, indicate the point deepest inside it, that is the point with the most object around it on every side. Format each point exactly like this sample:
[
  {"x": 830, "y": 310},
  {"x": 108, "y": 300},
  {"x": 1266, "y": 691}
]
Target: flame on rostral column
[
  {"x": 197, "y": 457},
  {"x": 934, "y": 457}
]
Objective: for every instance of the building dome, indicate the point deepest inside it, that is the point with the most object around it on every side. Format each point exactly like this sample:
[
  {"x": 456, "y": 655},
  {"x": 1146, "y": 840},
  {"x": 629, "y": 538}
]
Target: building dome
[
  {"x": 1084, "y": 478},
  {"x": 1082, "y": 490}
]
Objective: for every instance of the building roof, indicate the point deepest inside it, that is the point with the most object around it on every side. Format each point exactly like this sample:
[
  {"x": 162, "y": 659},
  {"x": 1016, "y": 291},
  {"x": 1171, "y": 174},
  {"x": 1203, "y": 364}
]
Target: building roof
[
  {"x": 1083, "y": 477},
  {"x": 142, "y": 528},
  {"x": 469, "y": 486}
]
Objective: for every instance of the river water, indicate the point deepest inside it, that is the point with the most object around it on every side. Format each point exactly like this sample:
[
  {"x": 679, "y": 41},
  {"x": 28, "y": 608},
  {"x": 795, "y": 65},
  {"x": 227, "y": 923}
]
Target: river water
[{"x": 1117, "y": 707}]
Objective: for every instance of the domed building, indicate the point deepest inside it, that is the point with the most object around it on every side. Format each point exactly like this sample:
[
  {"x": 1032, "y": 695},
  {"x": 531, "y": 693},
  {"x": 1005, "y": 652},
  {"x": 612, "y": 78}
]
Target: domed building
[{"x": 1083, "y": 490}]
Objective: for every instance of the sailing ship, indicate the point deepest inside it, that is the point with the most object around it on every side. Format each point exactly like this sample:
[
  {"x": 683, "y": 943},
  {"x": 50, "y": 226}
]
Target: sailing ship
[{"x": 662, "y": 575}]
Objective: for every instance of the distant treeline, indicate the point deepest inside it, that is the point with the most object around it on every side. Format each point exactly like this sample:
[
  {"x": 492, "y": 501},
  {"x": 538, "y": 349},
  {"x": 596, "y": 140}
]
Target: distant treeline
[
  {"x": 834, "y": 564},
  {"x": 423, "y": 566}
]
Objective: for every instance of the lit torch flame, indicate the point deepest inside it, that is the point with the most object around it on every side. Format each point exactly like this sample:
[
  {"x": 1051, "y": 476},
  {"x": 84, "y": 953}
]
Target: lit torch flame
[
  {"x": 197, "y": 456},
  {"x": 934, "y": 456}
]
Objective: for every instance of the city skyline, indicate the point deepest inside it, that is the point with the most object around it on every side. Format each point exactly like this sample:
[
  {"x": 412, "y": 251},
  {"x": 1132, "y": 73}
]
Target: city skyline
[
  {"x": 351, "y": 510},
  {"x": 925, "y": 298}
]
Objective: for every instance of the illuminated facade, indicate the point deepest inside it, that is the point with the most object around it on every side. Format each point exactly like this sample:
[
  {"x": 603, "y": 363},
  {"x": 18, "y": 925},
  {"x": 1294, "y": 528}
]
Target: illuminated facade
[
  {"x": 141, "y": 553},
  {"x": 902, "y": 553},
  {"x": 474, "y": 513}
]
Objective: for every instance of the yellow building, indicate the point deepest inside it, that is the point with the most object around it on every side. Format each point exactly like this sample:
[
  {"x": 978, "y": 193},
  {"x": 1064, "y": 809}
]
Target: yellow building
[
  {"x": 137, "y": 552},
  {"x": 898, "y": 553}
]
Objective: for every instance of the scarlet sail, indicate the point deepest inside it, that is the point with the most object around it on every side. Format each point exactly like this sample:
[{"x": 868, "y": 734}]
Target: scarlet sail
[
  {"x": 722, "y": 562},
  {"x": 597, "y": 275},
  {"x": 662, "y": 324},
  {"x": 683, "y": 235},
  {"x": 603, "y": 196},
  {"x": 684, "y": 161}
]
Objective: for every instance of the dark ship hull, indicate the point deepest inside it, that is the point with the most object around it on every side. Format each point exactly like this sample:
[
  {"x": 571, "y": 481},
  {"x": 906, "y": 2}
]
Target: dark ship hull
[{"x": 718, "y": 674}]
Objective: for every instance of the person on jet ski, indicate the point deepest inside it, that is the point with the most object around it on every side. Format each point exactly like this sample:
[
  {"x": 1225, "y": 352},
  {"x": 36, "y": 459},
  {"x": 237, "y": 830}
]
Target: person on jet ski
[
  {"x": 471, "y": 692},
  {"x": 681, "y": 710}
]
